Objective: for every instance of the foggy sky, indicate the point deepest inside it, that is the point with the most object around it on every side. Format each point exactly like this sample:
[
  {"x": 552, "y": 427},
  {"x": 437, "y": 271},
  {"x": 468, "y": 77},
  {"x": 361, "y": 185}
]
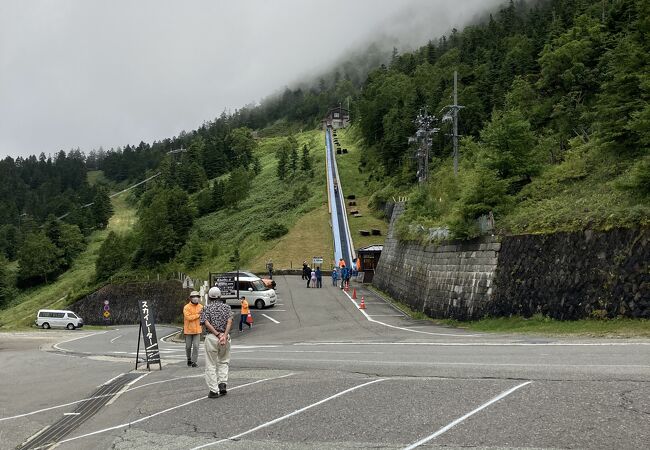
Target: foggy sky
[{"x": 91, "y": 73}]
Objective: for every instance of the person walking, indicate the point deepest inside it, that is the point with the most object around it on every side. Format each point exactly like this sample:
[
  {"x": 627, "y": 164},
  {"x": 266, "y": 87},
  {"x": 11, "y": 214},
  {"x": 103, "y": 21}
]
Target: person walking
[
  {"x": 192, "y": 328},
  {"x": 269, "y": 267},
  {"x": 319, "y": 278},
  {"x": 217, "y": 318},
  {"x": 306, "y": 272},
  {"x": 313, "y": 278},
  {"x": 344, "y": 274},
  {"x": 245, "y": 311},
  {"x": 335, "y": 276}
]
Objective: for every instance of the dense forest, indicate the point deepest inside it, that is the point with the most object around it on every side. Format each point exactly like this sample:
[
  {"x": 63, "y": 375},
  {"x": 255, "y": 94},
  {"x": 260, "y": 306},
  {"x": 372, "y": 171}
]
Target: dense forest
[
  {"x": 555, "y": 132},
  {"x": 555, "y": 119}
]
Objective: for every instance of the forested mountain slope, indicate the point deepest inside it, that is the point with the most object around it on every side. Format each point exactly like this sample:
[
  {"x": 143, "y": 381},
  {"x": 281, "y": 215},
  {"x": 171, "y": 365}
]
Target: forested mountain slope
[{"x": 555, "y": 132}]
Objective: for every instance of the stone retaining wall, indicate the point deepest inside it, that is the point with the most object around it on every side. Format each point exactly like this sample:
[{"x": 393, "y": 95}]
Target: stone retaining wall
[
  {"x": 561, "y": 275},
  {"x": 167, "y": 297},
  {"x": 575, "y": 275}
]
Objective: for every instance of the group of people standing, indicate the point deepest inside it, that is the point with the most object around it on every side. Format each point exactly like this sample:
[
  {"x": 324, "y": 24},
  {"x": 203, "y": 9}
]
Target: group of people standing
[
  {"x": 314, "y": 277},
  {"x": 343, "y": 273},
  {"x": 217, "y": 318}
]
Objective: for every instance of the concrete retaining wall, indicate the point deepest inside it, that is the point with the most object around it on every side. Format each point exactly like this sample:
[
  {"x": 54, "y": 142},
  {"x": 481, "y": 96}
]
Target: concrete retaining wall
[{"x": 452, "y": 280}]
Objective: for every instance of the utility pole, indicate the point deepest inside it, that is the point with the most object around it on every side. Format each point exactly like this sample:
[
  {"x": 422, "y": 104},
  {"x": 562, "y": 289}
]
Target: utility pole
[
  {"x": 455, "y": 122},
  {"x": 453, "y": 109},
  {"x": 423, "y": 137}
]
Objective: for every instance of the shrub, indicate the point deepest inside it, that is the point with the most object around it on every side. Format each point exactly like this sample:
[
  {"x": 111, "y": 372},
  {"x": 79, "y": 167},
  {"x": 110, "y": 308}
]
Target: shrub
[{"x": 274, "y": 231}]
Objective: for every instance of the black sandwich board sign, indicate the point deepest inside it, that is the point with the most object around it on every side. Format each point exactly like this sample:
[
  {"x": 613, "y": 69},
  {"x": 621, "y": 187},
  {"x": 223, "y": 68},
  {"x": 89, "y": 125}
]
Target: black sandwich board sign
[
  {"x": 148, "y": 333},
  {"x": 227, "y": 284}
]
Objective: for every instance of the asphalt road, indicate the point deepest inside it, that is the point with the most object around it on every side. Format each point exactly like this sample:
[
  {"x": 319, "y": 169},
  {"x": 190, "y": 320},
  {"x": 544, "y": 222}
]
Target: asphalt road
[{"x": 316, "y": 372}]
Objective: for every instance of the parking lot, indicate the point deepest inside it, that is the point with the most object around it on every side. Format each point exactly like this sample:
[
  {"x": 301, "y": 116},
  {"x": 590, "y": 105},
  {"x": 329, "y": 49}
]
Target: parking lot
[{"x": 315, "y": 372}]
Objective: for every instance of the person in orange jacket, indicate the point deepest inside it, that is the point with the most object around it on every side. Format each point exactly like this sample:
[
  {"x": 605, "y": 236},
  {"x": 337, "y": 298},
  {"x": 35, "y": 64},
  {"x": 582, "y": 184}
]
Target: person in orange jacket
[
  {"x": 245, "y": 310},
  {"x": 192, "y": 328}
]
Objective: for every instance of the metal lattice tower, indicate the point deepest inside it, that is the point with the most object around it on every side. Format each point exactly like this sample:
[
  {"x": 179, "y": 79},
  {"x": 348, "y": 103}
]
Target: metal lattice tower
[{"x": 423, "y": 137}]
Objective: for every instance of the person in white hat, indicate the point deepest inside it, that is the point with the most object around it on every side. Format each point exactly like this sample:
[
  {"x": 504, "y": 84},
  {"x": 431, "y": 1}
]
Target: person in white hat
[{"x": 217, "y": 318}]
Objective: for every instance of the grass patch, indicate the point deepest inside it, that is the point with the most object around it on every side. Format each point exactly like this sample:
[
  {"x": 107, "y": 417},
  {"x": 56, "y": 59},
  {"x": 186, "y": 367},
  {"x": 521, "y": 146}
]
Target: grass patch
[
  {"x": 537, "y": 324},
  {"x": 71, "y": 285},
  {"x": 271, "y": 201},
  {"x": 309, "y": 237},
  {"x": 354, "y": 181},
  {"x": 96, "y": 176}
]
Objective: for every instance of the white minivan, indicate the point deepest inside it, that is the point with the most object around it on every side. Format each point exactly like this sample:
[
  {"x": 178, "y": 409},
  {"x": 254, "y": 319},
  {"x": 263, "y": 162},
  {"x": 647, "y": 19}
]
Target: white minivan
[
  {"x": 256, "y": 292},
  {"x": 48, "y": 318}
]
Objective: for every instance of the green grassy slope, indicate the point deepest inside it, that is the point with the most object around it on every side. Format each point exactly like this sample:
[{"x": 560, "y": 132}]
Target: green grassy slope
[
  {"x": 271, "y": 200},
  {"x": 71, "y": 284},
  {"x": 354, "y": 182}
]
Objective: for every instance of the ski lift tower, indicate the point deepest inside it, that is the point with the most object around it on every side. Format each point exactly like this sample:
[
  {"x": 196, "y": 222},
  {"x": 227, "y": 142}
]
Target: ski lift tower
[{"x": 423, "y": 138}]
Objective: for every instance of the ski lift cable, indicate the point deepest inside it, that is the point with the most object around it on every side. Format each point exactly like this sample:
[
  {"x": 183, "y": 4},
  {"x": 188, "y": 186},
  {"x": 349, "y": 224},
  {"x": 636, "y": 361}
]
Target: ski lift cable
[{"x": 114, "y": 195}]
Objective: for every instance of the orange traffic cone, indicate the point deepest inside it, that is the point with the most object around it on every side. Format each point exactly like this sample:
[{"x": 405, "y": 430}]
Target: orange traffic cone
[
  {"x": 347, "y": 287},
  {"x": 363, "y": 303},
  {"x": 354, "y": 294}
]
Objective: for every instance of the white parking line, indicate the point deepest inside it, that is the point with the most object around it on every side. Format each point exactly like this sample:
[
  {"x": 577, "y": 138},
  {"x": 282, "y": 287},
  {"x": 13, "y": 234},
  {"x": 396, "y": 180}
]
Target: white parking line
[
  {"x": 142, "y": 419},
  {"x": 469, "y": 414},
  {"x": 485, "y": 344},
  {"x": 98, "y": 396},
  {"x": 286, "y": 416},
  {"x": 386, "y": 315},
  {"x": 370, "y": 319},
  {"x": 450, "y": 364},
  {"x": 56, "y": 346},
  {"x": 116, "y": 338},
  {"x": 270, "y": 318}
]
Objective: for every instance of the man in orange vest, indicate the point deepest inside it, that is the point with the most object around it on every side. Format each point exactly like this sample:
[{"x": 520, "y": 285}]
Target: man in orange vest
[
  {"x": 192, "y": 328},
  {"x": 245, "y": 310}
]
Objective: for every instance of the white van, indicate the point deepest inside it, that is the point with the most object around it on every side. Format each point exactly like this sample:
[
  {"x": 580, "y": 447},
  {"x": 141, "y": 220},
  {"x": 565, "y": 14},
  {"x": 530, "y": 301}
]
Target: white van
[
  {"x": 253, "y": 288},
  {"x": 48, "y": 318}
]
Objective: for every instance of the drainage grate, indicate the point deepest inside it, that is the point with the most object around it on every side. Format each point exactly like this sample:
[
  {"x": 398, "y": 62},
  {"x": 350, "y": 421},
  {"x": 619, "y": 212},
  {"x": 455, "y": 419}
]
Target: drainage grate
[{"x": 69, "y": 423}]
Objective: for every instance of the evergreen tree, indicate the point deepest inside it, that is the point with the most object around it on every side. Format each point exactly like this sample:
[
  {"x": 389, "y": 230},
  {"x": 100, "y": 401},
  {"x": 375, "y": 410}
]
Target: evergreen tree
[
  {"x": 508, "y": 145},
  {"x": 218, "y": 195},
  {"x": 165, "y": 220},
  {"x": 191, "y": 176},
  {"x": 102, "y": 208},
  {"x": 282, "y": 157},
  {"x": 257, "y": 165},
  {"x": 71, "y": 243},
  {"x": 305, "y": 159},
  {"x": 243, "y": 145},
  {"x": 113, "y": 255},
  {"x": 38, "y": 259},
  {"x": 237, "y": 187},
  {"x": 193, "y": 252},
  {"x": 293, "y": 161},
  {"x": 5, "y": 288},
  {"x": 9, "y": 241}
]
